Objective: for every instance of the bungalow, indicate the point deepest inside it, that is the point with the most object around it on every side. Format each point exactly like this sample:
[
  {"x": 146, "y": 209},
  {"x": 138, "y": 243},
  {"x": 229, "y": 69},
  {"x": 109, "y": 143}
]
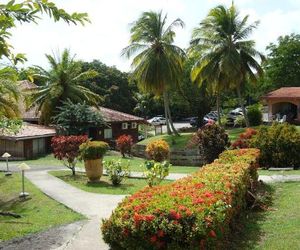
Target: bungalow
[
  {"x": 31, "y": 141},
  {"x": 284, "y": 104}
]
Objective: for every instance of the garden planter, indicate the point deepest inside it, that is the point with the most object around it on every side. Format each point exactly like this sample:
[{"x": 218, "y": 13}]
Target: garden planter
[{"x": 93, "y": 169}]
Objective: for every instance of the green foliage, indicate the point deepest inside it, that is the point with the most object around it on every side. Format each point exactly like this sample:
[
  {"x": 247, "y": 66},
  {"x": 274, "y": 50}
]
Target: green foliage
[
  {"x": 211, "y": 140},
  {"x": 29, "y": 11},
  {"x": 117, "y": 171},
  {"x": 9, "y": 93},
  {"x": 240, "y": 121},
  {"x": 156, "y": 172},
  {"x": 62, "y": 82},
  {"x": 195, "y": 212},
  {"x": 76, "y": 119},
  {"x": 254, "y": 115},
  {"x": 92, "y": 150},
  {"x": 282, "y": 67},
  {"x": 158, "y": 150},
  {"x": 279, "y": 145},
  {"x": 10, "y": 126},
  {"x": 113, "y": 85}
]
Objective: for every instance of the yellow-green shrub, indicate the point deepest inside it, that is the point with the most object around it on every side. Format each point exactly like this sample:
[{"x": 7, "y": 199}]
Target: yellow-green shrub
[{"x": 158, "y": 150}]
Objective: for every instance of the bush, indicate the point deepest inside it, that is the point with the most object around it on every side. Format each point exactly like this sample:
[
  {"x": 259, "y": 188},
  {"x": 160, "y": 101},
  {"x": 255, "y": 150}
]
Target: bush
[
  {"x": 158, "y": 150},
  {"x": 240, "y": 121},
  {"x": 244, "y": 139},
  {"x": 66, "y": 148},
  {"x": 124, "y": 144},
  {"x": 279, "y": 145},
  {"x": 117, "y": 171},
  {"x": 211, "y": 140},
  {"x": 254, "y": 115},
  {"x": 192, "y": 213},
  {"x": 156, "y": 172},
  {"x": 92, "y": 150}
]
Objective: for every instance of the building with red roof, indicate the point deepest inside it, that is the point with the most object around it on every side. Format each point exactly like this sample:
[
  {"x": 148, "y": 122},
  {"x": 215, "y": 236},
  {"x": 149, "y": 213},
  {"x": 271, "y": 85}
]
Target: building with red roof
[{"x": 284, "y": 104}]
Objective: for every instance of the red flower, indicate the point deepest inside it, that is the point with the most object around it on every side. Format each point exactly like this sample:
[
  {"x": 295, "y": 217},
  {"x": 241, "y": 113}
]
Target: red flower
[
  {"x": 212, "y": 234},
  {"x": 153, "y": 239},
  {"x": 174, "y": 215},
  {"x": 160, "y": 233},
  {"x": 198, "y": 201},
  {"x": 149, "y": 218}
]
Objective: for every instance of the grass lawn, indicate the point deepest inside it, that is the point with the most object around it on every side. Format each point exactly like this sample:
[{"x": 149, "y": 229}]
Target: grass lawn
[
  {"x": 234, "y": 133},
  {"x": 275, "y": 172},
  {"x": 39, "y": 212},
  {"x": 277, "y": 228},
  {"x": 136, "y": 162},
  {"x": 129, "y": 186},
  {"x": 175, "y": 142}
]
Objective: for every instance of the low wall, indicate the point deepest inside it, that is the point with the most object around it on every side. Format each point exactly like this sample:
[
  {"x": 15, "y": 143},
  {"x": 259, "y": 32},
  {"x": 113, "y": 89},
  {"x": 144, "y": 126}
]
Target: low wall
[{"x": 184, "y": 157}]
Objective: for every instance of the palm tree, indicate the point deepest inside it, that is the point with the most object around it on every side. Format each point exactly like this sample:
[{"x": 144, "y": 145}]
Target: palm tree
[
  {"x": 9, "y": 93},
  {"x": 157, "y": 63},
  {"x": 223, "y": 39},
  {"x": 62, "y": 82}
]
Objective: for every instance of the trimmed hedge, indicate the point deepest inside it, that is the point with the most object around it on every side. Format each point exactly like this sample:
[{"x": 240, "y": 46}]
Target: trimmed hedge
[{"x": 192, "y": 213}]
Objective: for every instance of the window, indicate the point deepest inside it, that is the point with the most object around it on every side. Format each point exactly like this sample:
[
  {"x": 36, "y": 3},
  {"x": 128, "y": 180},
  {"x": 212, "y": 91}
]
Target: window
[
  {"x": 124, "y": 125},
  {"x": 107, "y": 133},
  {"x": 133, "y": 125}
]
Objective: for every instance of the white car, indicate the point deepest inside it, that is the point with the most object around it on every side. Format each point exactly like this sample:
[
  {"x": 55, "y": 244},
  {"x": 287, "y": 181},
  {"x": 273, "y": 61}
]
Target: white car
[{"x": 157, "y": 120}]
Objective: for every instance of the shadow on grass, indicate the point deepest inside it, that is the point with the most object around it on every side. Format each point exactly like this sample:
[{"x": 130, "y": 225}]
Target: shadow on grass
[
  {"x": 107, "y": 185},
  {"x": 247, "y": 232}
]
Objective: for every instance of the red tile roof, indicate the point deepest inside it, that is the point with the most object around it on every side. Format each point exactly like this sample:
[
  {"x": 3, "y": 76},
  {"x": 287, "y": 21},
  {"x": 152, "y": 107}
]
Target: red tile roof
[
  {"x": 110, "y": 115},
  {"x": 29, "y": 131},
  {"x": 287, "y": 92}
]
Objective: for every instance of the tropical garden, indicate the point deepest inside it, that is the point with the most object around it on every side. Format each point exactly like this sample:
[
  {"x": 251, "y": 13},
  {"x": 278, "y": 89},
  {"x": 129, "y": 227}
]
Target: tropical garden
[{"x": 218, "y": 204}]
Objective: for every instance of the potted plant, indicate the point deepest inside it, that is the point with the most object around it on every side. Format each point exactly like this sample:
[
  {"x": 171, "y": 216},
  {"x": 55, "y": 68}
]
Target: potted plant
[{"x": 92, "y": 153}]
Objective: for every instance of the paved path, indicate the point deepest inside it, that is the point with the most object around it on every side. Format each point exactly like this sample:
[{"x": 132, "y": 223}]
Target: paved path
[{"x": 94, "y": 206}]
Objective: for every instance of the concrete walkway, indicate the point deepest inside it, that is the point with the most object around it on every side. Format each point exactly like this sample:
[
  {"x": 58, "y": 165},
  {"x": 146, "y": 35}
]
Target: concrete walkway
[{"x": 94, "y": 206}]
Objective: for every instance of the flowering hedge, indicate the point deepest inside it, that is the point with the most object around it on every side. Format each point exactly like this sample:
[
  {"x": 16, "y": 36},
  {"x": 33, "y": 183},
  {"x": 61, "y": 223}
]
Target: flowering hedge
[{"x": 192, "y": 213}]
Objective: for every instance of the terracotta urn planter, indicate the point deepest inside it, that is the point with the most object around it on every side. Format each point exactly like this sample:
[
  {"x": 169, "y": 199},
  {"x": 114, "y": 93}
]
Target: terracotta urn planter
[
  {"x": 93, "y": 170},
  {"x": 92, "y": 153}
]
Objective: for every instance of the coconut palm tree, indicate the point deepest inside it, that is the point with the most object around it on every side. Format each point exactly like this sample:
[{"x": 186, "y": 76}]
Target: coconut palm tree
[
  {"x": 9, "y": 93},
  {"x": 157, "y": 64},
  {"x": 61, "y": 83},
  {"x": 223, "y": 38}
]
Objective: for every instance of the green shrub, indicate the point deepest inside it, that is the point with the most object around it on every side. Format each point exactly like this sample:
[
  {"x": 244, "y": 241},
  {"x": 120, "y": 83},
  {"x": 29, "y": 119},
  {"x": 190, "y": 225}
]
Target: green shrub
[
  {"x": 156, "y": 172},
  {"x": 254, "y": 115},
  {"x": 279, "y": 145},
  {"x": 92, "y": 150},
  {"x": 117, "y": 171},
  {"x": 211, "y": 140},
  {"x": 240, "y": 121},
  {"x": 195, "y": 212},
  {"x": 158, "y": 150}
]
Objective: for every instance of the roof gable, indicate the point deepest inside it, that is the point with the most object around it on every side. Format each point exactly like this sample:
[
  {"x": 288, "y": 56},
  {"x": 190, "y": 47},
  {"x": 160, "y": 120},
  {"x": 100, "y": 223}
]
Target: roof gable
[{"x": 286, "y": 92}]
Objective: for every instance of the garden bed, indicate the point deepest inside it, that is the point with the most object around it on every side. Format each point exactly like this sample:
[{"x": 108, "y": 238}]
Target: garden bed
[
  {"x": 191, "y": 213},
  {"x": 129, "y": 186}
]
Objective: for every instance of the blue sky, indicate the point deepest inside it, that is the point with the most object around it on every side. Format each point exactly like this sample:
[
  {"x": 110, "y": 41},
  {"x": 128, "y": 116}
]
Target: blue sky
[{"x": 108, "y": 33}]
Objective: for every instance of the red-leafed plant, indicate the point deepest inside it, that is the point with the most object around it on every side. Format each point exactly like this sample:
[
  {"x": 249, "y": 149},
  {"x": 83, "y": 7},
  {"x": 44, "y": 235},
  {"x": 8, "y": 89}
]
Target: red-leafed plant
[
  {"x": 124, "y": 144},
  {"x": 66, "y": 149},
  {"x": 244, "y": 139}
]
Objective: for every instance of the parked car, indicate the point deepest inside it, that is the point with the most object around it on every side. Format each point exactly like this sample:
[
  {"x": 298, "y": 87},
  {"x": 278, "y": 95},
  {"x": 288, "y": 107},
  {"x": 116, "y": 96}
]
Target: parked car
[
  {"x": 233, "y": 114},
  {"x": 194, "y": 121},
  {"x": 157, "y": 120},
  {"x": 212, "y": 115}
]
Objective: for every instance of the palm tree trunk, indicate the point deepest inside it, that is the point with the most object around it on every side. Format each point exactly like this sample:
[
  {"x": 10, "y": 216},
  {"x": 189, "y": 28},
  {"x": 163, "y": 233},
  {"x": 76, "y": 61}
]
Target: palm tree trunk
[
  {"x": 219, "y": 107},
  {"x": 170, "y": 119},
  {"x": 166, "y": 112},
  {"x": 241, "y": 101}
]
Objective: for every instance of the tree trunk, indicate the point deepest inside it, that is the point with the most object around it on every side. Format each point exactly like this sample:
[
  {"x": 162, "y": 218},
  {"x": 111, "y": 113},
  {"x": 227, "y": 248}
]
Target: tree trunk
[
  {"x": 219, "y": 108},
  {"x": 166, "y": 112},
  {"x": 241, "y": 101},
  {"x": 173, "y": 129}
]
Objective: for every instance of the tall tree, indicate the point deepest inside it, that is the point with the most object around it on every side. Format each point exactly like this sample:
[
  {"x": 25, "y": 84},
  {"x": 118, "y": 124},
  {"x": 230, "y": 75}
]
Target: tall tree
[
  {"x": 157, "y": 63},
  {"x": 283, "y": 62},
  {"x": 62, "y": 82},
  {"x": 226, "y": 50}
]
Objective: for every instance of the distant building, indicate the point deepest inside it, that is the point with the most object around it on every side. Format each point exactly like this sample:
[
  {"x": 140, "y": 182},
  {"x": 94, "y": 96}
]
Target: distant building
[
  {"x": 30, "y": 142},
  {"x": 284, "y": 105}
]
